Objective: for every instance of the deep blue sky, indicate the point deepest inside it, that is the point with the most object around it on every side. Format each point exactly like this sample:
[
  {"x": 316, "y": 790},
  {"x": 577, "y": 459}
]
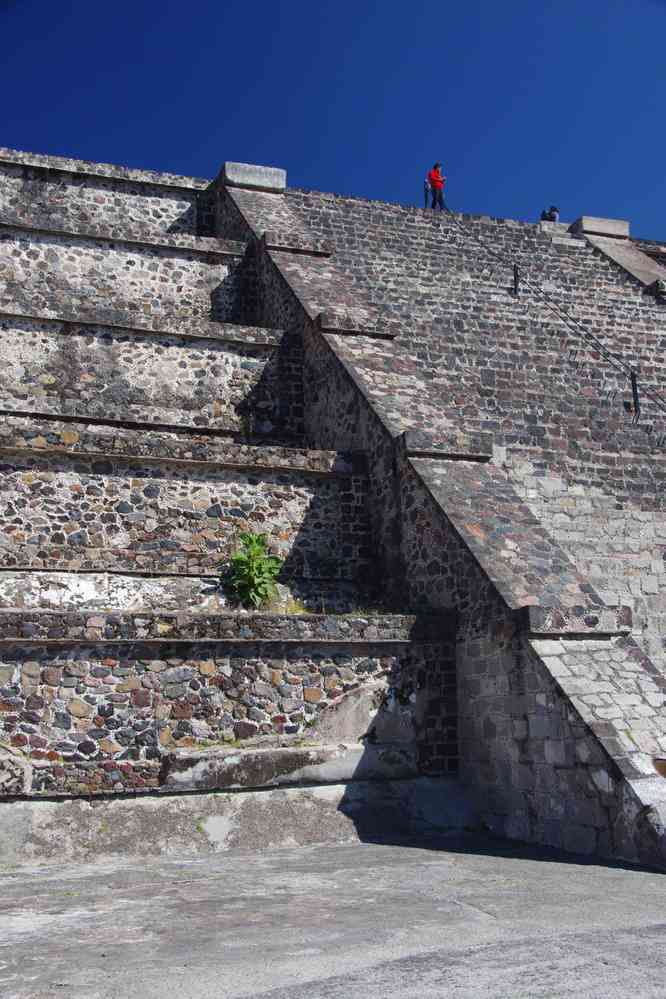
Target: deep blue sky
[{"x": 525, "y": 102}]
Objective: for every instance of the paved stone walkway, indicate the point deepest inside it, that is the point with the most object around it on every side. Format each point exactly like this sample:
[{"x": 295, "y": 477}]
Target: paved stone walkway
[{"x": 470, "y": 919}]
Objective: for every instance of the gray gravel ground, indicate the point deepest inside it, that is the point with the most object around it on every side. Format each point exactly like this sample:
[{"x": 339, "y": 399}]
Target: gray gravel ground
[{"x": 460, "y": 918}]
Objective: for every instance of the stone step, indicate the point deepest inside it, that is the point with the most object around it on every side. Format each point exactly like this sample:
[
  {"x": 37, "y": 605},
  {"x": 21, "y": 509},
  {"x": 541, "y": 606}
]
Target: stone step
[
  {"x": 65, "y": 193},
  {"x": 230, "y": 378},
  {"x": 124, "y": 591},
  {"x": 203, "y": 824},
  {"x": 20, "y": 434},
  {"x": 70, "y": 627},
  {"x": 99, "y": 703},
  {"x": 65, "y": 320},
  {"x": 46, "y": 272},
  {"x": 78, "y": 500},
  {"x": 18, "y": 222}
]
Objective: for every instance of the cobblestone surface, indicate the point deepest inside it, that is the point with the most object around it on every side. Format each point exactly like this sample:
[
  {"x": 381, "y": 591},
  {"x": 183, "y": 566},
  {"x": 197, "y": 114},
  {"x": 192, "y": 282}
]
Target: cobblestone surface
[
  {"x": 47, "y": 273},
  {"x": 112, "y": 375},
  {"x": 96, "y": 718},
  {"x": 64, "y": 201},
  {"x": 80, "y": 512}
]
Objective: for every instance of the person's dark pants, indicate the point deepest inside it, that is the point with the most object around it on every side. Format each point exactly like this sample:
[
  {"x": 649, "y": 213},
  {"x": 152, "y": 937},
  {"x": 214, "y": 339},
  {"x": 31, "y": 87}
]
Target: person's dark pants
[
  {"x": 437, "y": 198},
  {"x": 426, "y": 192}
]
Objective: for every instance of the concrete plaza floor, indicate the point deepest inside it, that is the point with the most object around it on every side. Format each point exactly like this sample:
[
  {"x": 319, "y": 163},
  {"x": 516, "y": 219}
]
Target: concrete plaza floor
[{"x": 466, "y": 917}]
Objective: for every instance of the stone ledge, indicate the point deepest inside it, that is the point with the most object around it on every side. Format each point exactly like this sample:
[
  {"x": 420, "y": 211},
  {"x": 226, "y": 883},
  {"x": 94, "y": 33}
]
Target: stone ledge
[
  {"x": 347, "y": 324},
  {"x": 617, "y": 228},
  {"x": 587, "y": 622},
  {"x": 181, "y": 242},
  {"x": 294, "y": 243},
  {"x": 104, "y": 170},
  {"x": 160, "y": 561},
  {"x": 42, "y": 832},
  {"x": 227, "y": 769},
  {"x": 177, "y": 430},
  {"x": 629, "y": 257},
  {"x": 19, "y": 436},
  {"x": 233, "y": 628},
  {"x": 124, "y": 315},
  {"x": 254, "y": 178},
  {"x": 455, "y": 445},
  {"x": 207, "y": 329}
]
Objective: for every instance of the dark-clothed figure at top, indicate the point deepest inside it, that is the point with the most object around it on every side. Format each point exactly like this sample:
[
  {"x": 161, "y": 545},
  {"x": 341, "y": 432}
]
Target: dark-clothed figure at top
[
  {"x": 551, "y": 214},
  {"x": 436, "y": 182}
]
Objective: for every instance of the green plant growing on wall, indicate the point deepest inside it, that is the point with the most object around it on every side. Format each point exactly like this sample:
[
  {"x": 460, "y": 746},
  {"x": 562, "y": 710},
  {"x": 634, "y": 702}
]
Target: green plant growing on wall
[{"x": 253, "y": 571}]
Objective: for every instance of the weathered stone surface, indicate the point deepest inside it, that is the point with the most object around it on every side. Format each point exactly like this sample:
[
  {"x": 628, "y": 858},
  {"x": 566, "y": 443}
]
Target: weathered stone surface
[
  {"x": 77, "y": 830},
  {"x": 15, "y": 772},
  {"x": 508, "y": 486},
  {"x": 85, "y": 370},
  {"x": 619, "y": 228},
  {"x": 63, "y": 513},
  {"x": 254, "y": 177}
]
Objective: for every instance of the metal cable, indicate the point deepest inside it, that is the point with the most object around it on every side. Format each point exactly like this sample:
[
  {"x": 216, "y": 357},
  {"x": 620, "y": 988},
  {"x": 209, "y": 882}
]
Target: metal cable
[{"x": 564, "y": 315}]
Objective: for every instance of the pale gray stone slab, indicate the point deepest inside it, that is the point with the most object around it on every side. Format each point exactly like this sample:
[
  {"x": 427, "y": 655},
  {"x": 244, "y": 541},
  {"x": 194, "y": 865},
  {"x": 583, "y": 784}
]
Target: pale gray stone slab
[
  {"x": 260, "y": 178},
  {"x": 619, "y": 228}
]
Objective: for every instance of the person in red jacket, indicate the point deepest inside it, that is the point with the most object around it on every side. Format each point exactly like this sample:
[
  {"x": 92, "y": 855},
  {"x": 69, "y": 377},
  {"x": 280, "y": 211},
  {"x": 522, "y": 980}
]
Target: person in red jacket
[{"x": 436, "y": 182}]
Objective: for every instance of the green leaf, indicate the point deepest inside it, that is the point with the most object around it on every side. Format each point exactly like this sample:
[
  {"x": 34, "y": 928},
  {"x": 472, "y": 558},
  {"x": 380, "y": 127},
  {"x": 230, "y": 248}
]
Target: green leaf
[{"x": 253, "y": 571}]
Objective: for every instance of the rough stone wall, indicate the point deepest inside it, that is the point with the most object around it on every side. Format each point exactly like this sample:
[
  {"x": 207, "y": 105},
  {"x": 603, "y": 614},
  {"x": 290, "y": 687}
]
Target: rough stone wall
[
  {"x": 545, "y": 767},
  {"x": 99, "y": 514},
  {"x": 91, "y": 371},
  {"x": 539, "y": 772},
  {"x": 472, "y": 355},
  {"x": 619, "y": 546},
  {"x": 49, "y": 274},
  {"x": 58, "y": 199},
  {"x": 94, "y": 716}
]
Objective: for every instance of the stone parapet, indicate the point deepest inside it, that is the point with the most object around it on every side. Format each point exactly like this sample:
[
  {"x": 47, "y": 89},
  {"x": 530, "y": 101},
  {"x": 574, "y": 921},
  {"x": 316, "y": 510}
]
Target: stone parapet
[{"x": 106, "y": 170}]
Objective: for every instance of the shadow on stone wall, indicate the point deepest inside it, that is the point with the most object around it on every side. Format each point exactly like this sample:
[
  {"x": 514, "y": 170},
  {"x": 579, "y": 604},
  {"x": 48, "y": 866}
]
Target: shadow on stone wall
[{"x": 394, "y": 791}]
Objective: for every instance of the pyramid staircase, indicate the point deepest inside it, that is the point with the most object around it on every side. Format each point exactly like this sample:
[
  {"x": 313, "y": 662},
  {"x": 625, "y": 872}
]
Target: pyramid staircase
[{"x": 145, "y": 423}]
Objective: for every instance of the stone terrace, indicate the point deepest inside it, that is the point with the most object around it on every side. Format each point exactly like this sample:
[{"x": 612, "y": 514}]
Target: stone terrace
[
  {"x": 473, "y": 357},
  {"x": 508, "y": 477},
  {"x": 365, "y": 383},
  {"x": 146, "y": 420}
]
